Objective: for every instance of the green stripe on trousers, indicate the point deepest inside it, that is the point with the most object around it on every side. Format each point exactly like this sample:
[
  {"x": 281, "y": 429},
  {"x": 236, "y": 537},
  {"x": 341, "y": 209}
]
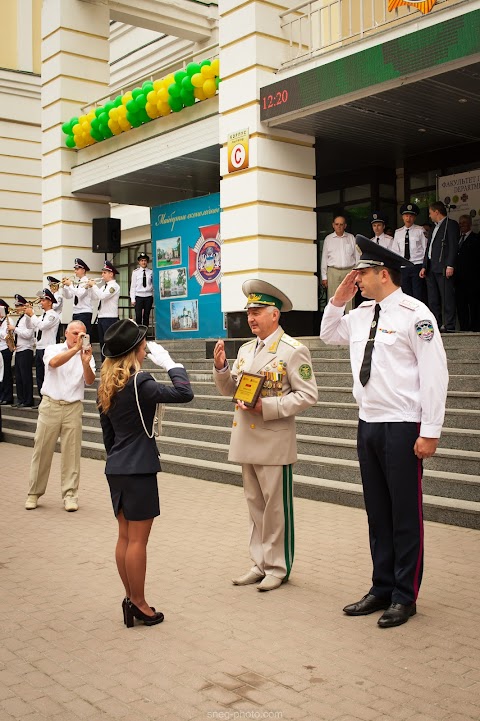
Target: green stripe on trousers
[{"x": 289, "y": 539}]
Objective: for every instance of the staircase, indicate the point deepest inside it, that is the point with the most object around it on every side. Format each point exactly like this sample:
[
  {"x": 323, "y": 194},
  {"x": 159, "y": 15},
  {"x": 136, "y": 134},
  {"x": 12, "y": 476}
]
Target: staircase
[{"x": 195, "y": 437}]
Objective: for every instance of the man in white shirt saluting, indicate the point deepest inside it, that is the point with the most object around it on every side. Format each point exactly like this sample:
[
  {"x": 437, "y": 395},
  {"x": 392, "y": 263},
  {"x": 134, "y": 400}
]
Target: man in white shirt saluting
[
  {"x": 400, "y": 381},
  {"x": 338, "y": 257}
]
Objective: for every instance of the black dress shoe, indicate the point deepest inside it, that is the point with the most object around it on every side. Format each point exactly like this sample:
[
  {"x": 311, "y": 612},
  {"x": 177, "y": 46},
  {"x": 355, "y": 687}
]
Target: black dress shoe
[
  {"x": 396, "y": 614},
  {"x": 368, "y": 604}
]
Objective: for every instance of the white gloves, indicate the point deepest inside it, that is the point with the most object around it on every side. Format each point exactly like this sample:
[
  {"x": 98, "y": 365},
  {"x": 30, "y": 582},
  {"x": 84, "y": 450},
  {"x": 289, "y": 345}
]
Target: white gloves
[{"x": 161, "y": 357}]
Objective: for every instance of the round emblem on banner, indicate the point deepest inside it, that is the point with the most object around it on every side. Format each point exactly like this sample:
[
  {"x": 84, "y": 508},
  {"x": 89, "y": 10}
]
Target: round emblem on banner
[
  {"x": 205, "y": 259},
  {"x": 208, "y": 260}
]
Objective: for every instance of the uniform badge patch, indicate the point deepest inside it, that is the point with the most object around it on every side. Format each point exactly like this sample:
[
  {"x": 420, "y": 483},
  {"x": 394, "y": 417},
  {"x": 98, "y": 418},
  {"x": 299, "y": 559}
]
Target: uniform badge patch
[
  {"x": 424, "y": 329},
  {"x": 112, "y": 290},
  {"x": 305, "y": 371}
]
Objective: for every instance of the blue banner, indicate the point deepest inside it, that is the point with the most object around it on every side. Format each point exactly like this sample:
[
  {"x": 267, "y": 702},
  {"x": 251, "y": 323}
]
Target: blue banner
[{"x": 187, "y": 270}]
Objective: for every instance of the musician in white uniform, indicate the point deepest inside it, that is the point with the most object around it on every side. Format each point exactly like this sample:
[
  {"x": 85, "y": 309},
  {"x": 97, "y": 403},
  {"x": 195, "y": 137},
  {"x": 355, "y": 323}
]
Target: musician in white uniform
[
  {"x": 24, "y": 349},
  {"x": 81, "y": 293},
  {"x": 54, "y": 286},
  {"x": 46, "y": 327},
  {"x": 108, "y": 294},
  {"x": 141, "y": 290}
]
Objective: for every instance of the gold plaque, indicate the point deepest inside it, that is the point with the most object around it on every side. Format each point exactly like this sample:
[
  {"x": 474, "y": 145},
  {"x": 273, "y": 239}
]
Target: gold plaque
[{"x": 249, "y": 389}]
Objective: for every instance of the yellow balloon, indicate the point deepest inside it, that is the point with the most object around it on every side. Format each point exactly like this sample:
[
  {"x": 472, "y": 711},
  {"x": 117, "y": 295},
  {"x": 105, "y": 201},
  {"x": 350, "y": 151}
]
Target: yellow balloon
[
  {"x": 157, "y": 84},
  {"x": 199, "y": 94},
  {"x": 86, "y": 126},
  {"x": 164, "y": 109},
  {"x": 162, "y": 95},
  {"x": 207, "y": 72},
  {"x": 152, "y": 97},
  {"x": 197, "y": 80},
  {"x": 126, "y": 98},
  {"x": 215, "y": 65},
  {"x": 209, "y": 88},
  {"x": 113, "y": 114},
  {"x": 77, "y": 129},
  {"x": 124, "y": 124},
  {"x": 168, "y": 80},
  {"x": 121, "y": 112},
  {"x": 91, "y": 115},
  {"x": 151, "y": 110}
]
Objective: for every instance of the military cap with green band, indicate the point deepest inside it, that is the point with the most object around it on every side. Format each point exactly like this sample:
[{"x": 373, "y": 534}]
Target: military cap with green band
[{"x": 259, "y": 293}]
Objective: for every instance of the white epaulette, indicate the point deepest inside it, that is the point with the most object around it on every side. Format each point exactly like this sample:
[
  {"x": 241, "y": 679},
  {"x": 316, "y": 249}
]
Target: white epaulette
[
  {"x": 409, "y": 303},
  {"x": 291, "y": 341},
  {"x": 367, "y": 304}
]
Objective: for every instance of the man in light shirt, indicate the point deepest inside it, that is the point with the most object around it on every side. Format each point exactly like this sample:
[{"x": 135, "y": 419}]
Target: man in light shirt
[
  {"x": 81, "y": 294},
  {"x": 400, "y": 381},
  {"x": 68, "y": 368},
  {"x": 338, "y": 257},
  {"x": 410, "y": 242},
  {"x": 46, "y": 328},
  {"x": 380, "y": 237},
  {"x": 141, "y": 290}
]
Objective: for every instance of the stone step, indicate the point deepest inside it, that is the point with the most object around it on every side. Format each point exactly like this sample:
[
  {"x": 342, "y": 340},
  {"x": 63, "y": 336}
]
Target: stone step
[{"x": 454, "y": 511}]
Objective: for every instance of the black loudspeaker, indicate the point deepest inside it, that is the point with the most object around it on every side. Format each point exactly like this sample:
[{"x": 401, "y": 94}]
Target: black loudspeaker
[{"x": 106, "y": 235}]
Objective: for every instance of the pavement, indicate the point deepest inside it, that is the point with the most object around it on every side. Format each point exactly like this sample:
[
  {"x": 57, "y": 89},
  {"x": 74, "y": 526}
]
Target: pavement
[{"x": 223, "y": 652}]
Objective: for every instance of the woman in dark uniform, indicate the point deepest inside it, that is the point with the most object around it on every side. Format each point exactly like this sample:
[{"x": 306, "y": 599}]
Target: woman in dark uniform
[{"x": 127, "y": 399}]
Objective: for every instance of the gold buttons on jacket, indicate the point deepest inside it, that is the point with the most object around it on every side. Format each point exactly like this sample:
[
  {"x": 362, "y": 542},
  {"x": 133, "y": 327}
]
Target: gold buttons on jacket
[
  {"x": 252, "y": 425},
  {"x": 234, "y": 423}
]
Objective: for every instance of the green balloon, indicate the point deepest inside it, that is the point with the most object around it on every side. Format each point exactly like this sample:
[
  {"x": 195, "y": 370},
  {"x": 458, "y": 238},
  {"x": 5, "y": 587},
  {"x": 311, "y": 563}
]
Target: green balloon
[
  {"x": 176, "y": 104},
  {"x": 189, "y": 101},
  {"x": 66, "y": 128},
  {"x": 99, "y": 111},
  {"x": 73, "y": 121},
  {"x": 95, "y": 123},
  {"x": 179, "y": 75},
  {"x": 109, "y": 106},
  {"x": 103, "y": 118},
  {"x": 96, "y": 135},
  {"x": 131, "y": 106},
  {"x": 147, "y": 87},
  {"x": 187, "y": 84},
  {"x": 144, "y": 116},
  {"x": 186, "y": 95},
  {"x": 192, "y": 69},
  {"x": 217, "y": 82},
  {"x": 108, "y": 133},
  {"x": 136, "y": 91},
  {"x": 134, "y": 119},
  {"x": 205, "y": 62},
  {"x": 117, "y": 101},
  {"x": 70, "y": 142},
  {"x": 140, "y": 101},
  {"x": 174, "y": 90}
]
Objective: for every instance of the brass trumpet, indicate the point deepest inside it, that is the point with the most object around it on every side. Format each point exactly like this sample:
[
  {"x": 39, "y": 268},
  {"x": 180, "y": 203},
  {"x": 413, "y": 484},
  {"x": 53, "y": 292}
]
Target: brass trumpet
[{"x": 97, "y": 281}]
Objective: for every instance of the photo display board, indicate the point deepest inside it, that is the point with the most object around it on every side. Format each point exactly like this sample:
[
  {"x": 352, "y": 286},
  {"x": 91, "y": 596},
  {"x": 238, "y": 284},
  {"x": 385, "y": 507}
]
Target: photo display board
[{"x": 187, "y": 269}]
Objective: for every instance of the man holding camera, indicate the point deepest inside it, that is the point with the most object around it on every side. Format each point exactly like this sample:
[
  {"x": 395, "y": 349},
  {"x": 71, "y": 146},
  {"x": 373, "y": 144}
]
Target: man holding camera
[{"x": 69, "y": 367}]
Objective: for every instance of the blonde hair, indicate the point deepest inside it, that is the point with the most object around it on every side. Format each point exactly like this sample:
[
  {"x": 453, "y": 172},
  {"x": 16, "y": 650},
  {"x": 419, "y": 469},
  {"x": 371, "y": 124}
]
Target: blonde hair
[{"x": 114, "y": 376}]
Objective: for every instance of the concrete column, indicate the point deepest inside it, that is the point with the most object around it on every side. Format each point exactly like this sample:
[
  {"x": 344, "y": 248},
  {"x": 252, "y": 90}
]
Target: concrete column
[
  {"x": 75, "y": 71},
  {"x": 268, "y": 219}
]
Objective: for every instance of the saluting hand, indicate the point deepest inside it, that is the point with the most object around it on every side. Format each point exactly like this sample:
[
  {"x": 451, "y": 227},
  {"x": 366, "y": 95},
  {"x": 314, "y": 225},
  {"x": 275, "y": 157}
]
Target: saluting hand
[
  {"x": 346, "y": 290},
  {"x": 219, "y": 355}
]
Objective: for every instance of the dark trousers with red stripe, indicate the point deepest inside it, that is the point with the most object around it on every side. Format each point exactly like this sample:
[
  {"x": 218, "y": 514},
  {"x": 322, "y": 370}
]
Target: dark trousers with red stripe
[{"x": 392, "y": 489}]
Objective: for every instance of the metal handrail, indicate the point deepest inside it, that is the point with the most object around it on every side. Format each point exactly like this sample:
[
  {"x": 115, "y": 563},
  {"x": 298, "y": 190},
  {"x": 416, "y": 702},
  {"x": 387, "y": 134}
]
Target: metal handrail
[
  {"x": 180, "y": 62},
  {"x": 320, "y": 26}
]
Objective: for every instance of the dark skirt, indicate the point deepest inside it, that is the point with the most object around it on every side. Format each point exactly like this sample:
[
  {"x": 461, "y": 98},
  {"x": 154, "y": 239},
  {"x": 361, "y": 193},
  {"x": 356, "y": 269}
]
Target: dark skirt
[{"x": 136, "y": 496}]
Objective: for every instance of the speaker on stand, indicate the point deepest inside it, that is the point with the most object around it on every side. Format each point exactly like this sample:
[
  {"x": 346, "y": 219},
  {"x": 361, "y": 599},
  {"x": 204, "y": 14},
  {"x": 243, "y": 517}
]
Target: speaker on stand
[{"x": 106, "y": 235}]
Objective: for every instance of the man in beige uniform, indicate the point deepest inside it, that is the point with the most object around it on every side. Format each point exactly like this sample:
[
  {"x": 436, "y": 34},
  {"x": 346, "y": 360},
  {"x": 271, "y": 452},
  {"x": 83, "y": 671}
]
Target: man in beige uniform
[{"x": 263, "y": 438}]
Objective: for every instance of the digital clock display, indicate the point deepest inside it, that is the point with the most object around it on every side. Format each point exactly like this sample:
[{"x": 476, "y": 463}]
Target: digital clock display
[{"x": 279, "y": 98}]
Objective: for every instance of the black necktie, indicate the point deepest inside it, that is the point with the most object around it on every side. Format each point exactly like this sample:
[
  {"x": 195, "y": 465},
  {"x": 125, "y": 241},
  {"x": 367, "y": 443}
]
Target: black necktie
[
  {"x": 39, "y": 334},
  {"x": 75, "y": 300},
  {"x": 18, "y": 321},
  {"x": 462, "y": 238},
  {"x": 367, "y": 357},
  {"x": 144, "y": 281},
  {"x": 100, "y": 304},
  {"x": 406, "y": 255}
]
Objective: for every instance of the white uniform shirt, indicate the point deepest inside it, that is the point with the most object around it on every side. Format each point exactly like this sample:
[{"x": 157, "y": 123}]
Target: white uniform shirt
[
  {"x": 108, "y": 295},
  {"x": 78, "y": 290},
  {"x": 386, "y": 241},
  {"x": 417, "y": 242},
  {"x": 338, "y": 251},
  {"x": 59, "y": 301},
  {"x": 48, "y": 323},
  {"x": 3, "y": 333},
  {"x": 25, "y": 336},
  {"x": 67, "y": 382},
  {"x": 136, "y": 286},
  {"x": 409, "y": 376},
  {"x": 1, "y": 367}
]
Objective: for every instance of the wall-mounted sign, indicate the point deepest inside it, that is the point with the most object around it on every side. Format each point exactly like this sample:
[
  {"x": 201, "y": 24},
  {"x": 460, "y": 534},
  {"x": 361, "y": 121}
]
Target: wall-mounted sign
[
  {"x": 237, "y": 149},
  {"x": 423, "y": 5},
  {"x": 461, "y": 195},
  {"x": 187, "y": 268}
]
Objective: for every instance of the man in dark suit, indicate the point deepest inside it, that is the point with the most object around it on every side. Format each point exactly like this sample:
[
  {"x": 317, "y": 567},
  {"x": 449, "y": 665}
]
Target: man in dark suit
[
  {"x": 439, "y": 264},
  {"x": 466, "y": 288}
]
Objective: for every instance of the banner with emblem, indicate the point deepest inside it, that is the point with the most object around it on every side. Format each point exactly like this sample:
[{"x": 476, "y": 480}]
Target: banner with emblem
[
  {"x": 187, "y": 268},
  {"x": 461, "y": 194}
]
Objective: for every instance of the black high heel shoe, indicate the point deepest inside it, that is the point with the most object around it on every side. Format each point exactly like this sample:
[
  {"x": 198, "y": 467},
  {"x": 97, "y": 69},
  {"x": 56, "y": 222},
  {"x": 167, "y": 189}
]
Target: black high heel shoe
[
  {"x": 125, "y": 602},
  {"x": 132, "y": 613}
]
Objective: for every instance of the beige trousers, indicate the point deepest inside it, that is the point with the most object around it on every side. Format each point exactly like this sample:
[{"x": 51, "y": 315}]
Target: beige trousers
[
  {"x": 334, "y": 278},
  {"x": 269, "y": 494},
  {"x": 57, "y": 418}
]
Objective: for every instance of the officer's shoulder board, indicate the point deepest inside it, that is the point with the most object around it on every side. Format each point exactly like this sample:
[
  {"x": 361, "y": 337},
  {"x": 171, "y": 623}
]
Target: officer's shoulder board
[
  {"x": 293, "y": 342},
  {"x": 247, "y": 344},
  {"x": 409, "y": 303},
  {"x": 367, "y": 304}
]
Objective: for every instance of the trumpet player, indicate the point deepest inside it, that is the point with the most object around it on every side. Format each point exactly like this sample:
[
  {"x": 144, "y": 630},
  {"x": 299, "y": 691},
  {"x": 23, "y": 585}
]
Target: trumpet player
[
  {"x": 54, "y": 284},
  {"x": 6, "y": 386},
  {"x": 79, "y": 290},
  {"x": 46, "y": 327},
  {"x": 108, "y": 295},
  {"x": 24, "y": 346}
]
